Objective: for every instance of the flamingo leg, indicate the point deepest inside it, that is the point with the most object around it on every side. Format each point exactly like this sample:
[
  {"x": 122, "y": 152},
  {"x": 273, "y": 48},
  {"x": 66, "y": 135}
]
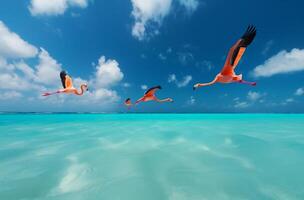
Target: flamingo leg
[
  {"x": 247, "y": 83},
  {"x": 51, "y": 93}
]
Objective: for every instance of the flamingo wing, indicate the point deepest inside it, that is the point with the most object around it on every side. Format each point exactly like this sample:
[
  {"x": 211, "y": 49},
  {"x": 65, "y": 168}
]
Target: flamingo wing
[
  {"x": 151, "y": 91},
  {"x": 68, "y": 81},
  {"x": 237, "y": 50},
  {"x": 63, "y": 78}
]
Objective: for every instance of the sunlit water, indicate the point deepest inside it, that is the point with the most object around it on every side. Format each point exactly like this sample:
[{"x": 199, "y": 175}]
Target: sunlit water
[{"x": 151, "y": 157}]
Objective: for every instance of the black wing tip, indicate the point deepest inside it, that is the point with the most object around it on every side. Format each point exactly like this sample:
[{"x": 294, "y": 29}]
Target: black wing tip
[
  {"x": 249, "y": 35},
  {"x": 63, "y": 72},
  {"x": 152, "y": 88},
  {"x": 62, "y": 77}
]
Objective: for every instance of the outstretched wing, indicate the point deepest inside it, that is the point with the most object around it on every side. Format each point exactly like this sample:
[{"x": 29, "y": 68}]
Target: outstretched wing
[
  {"x": 237, "y": 50},
  {"x": 151, "y": 91},
  {"x": 68, "y": 81},
  {"x": 63, "y": 78}
]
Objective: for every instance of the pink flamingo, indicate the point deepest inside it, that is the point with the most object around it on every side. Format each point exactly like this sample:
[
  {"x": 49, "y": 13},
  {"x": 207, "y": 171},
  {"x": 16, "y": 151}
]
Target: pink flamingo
[
  {"x": 227, "y": 75},
  {"x": 68, "y": 88},
  {"x": 150, "y": 96}
]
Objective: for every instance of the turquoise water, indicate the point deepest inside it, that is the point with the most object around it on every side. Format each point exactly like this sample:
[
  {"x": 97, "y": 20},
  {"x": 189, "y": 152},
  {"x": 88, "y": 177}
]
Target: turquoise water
[{"x": 151, "y": 157}]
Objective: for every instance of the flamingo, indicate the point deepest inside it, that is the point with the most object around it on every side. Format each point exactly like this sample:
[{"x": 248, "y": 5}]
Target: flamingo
[
  {"x": 150, "y": 96},
  {"x": 128, "y": 102},
  {"x": 68, "y": 88},
  {"x": 227, "y": 75}
]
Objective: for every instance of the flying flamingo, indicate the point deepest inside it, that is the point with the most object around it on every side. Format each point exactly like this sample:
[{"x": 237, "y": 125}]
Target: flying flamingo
[
  {"x": 227, "y": 75},
  {"x": 150, "y": 96},
  {"x": 68, "y": 88},
  {"x": 128, "y": 103}
]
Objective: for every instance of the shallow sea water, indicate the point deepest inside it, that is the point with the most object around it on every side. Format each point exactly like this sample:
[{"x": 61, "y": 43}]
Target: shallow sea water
[{"x": 151, "y": 156}]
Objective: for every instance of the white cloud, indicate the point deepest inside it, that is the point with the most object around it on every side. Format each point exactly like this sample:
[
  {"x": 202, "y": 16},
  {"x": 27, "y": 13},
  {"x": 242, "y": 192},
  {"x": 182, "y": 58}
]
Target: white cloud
[
  {"x": 241, "y": 104},
  {"x": 126, "y": 85},
  {"x": 15, "y": 73},
  {"x": 11, "y": 81},
  {"x": 149, "y": 15},
  {"x": 289, "y": 100},
  {"x": 28, "y": 72},
  {"x": 148, "y": 11},
  {"x": 299, "y": 92},
  {"x": 190, "y": 5},
  {"x": 254, "y": 96},
  {"x": 79, "y": 3},
  {"x": 191, "y": 101},
  {"x": 186, "y": 80},
  {"x": 10, "y": 95},
  {"x": 108, "y": 73},
  {"x": 106, "y": 95},
  {"x": 281, "y": 63},
  {"x": 13, "y": 46},
  {"x": 144, "y": 87},
  {"x": 48, "y": 69},
  {"x": 54, "y": 7},
  {"x": 97, "y": 96},
  {"x": 172, "y": 78}
]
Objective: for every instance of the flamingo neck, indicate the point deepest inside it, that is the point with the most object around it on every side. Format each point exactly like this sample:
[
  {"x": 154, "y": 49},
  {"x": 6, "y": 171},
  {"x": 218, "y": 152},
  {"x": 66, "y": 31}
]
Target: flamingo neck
[
  {"x": 162, "y": 100},
  {"x": 81, "y": 91},
  {"x": 206, "y": 84}
]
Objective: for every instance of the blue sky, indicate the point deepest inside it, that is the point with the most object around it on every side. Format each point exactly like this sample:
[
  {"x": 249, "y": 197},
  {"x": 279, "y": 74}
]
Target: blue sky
[{"x": 119, "y": 47}]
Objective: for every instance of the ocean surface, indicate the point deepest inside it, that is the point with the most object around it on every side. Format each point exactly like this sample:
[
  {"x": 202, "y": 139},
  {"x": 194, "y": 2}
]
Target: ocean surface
[{"x": 151, "y": 157}]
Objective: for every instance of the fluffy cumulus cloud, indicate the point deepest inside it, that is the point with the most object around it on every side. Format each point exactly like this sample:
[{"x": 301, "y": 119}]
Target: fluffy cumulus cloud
[
  {"x": 107, "y": 73},
  {"x": 149, "y": 15},
  {"x": 281, "y": 63},
  {"x": 179, "y": 83},
  {"x": 13, "y": 46},
  {"x": 147, "y": 12},
  {"x": 54, "y": 7},
  {"x": 105, "y": 95},
  {"x": 48, "y": 69}
]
